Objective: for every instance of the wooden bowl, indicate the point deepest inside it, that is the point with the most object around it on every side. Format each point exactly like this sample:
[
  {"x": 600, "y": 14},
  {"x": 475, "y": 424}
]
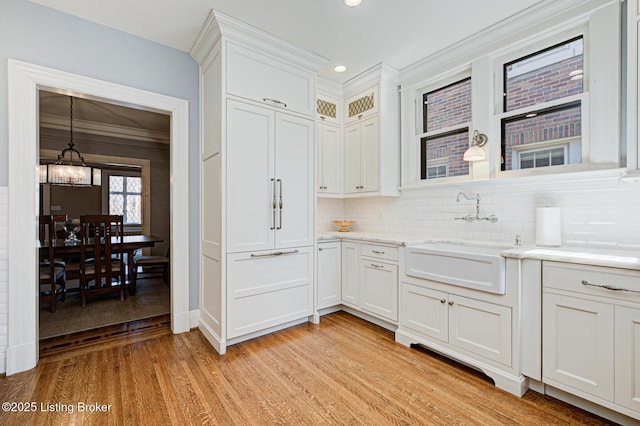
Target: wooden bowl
[{"x": 344, "y": 224}]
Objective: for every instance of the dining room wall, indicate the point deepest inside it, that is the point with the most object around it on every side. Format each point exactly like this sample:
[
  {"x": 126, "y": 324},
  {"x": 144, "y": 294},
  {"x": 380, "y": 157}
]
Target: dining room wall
[{"x": 156, "y": 153}]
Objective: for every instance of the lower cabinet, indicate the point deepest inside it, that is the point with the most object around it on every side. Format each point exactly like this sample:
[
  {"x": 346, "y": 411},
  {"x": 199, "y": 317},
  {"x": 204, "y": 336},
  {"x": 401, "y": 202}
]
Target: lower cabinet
[
  {"x": 591, "y": 333},
  {"x": 329, "y": 276},
  {"x": 379, "y": 288},
  {"x": 267, "y": 289},
  {"x": 478, "y": 327},
  {"x": 350, "y": 275}
]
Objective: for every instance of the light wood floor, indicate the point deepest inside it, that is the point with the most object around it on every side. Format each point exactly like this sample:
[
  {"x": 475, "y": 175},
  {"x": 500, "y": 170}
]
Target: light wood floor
[{"x": 342, "y": 371}]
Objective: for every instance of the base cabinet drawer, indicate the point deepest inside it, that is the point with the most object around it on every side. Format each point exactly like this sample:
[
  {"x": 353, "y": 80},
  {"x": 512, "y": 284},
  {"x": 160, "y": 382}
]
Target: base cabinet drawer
[{"x": 266, "y": 289}]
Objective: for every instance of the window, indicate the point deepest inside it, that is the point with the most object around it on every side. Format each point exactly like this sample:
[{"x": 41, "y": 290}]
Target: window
[
  {"x": 125, "y": 198},
  {"x": 446, "y": 114},
  {"x": 543, "y": 106}
]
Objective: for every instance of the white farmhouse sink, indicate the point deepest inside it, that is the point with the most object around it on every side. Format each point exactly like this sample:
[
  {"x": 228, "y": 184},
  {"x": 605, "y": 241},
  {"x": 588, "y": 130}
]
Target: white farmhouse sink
[{"x": 478, "y": 268}]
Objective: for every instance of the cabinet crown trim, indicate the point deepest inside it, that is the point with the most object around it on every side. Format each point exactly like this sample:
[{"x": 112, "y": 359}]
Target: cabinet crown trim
[{"x": 218, "y": 25}]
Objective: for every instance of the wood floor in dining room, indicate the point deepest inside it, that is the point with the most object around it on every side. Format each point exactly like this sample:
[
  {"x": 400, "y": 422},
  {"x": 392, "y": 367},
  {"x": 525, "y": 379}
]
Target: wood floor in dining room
[{"x": 341, "y": 371}]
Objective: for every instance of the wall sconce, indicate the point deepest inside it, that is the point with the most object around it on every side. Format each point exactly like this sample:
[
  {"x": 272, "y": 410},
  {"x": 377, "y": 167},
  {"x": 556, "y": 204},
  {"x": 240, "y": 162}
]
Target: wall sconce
[{"x": 475, "y": 153}]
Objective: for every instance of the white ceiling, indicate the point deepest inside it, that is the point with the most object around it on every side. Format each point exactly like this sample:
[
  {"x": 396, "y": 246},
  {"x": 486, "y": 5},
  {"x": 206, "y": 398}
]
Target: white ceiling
[{"x": 396, "y": 32}]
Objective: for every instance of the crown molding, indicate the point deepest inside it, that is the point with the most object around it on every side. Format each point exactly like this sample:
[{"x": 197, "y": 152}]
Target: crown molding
[
  {"x": 218, "y": 26},
  {"x": 104, "y": 129}
]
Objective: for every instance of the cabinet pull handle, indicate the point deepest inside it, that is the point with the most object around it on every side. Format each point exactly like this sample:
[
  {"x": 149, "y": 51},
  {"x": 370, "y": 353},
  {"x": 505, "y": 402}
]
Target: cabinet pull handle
[
  {"x": 275, "y": 101},
  {"x": 320, "y": 249},
  {"x": 443, "y": 301},
  {"x": 359, "y": 116},
  {"x": 275, "y": 253},
  {"x": 273, "y": 205},
  {"x": 608, "y": 287},
  {"x": 280, "y": 203},
  {"x": 377, "y": 252},
  {"x": 377, "y": 266},
  {"x": 450, "y": 302}
]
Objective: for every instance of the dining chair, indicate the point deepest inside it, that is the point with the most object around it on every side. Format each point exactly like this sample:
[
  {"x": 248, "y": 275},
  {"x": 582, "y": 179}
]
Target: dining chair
[
  {"x": 150, "y": 266},
  {"x": 102, "y": 266},
  {"x": 52, "y": 278}
]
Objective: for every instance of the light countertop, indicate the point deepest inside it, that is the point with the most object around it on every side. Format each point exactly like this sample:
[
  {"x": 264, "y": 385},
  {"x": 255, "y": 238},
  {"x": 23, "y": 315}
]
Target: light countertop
[{"x": 613, "y": 258}]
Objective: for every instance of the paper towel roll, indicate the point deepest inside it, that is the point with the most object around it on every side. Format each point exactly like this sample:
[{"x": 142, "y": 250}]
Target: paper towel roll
[{"x": 548, "y": 226}]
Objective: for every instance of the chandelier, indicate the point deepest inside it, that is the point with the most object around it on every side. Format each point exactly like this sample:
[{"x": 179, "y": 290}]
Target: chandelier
[{"x": 69, "y": 172}]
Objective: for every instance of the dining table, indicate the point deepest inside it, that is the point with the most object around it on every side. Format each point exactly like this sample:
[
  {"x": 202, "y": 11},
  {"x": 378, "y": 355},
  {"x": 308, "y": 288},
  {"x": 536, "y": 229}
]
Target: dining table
[{"x": 130, "y": 243}]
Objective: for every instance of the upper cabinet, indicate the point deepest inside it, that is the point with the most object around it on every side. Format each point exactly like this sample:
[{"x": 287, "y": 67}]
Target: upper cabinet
[
  {"x": 328, "y": 109},
  {"x": 371, "y": 134},
  {"x": 361, "y": 105},
  {"x": 262, "y": 78}
]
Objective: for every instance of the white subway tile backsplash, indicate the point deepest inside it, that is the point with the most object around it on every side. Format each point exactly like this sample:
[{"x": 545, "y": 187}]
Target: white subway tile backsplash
[{"x": 599, "y": 218}]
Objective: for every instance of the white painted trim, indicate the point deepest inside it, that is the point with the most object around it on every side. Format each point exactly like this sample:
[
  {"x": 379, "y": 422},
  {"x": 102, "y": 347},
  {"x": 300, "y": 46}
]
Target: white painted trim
[
  {"x": 194, "y": 318},
  {"x": 24, "y": 82}
]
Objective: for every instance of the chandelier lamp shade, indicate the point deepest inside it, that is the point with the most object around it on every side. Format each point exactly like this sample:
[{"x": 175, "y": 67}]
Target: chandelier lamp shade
[{"x": 67, "y": 170}]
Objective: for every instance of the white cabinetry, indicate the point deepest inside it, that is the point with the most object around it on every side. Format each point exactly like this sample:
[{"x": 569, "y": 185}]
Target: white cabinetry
[
  {"x": 350, "y": 273},
  {"x": 257, "y": 180},
  {"x": 591, "y": 334},
  {"x": 371, "y": 135},
  {"x": 260, "y": 77},
  {"x": 270, "y": 163},
  {"x": 370, "y": 279},
  {"x": 361, "y": 156},
  {"x": 329, "y": 159},
  {"x": 329, "y": 281},
  {"x": 478, "y": 327}
]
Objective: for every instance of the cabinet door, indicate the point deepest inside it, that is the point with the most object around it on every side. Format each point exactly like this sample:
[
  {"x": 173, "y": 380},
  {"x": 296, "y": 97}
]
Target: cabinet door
[
  {"x": 265, "y": 290},
  {"x": 425, "y": 311},
  {"x": 480, "y": 327},
  {"x": 352, "y": 158},
  {"x": 627, "y": 357},
  {"x": 262, "y": 78},
  {"x": 350, "y": 268},
  {"x": 250, "y": 165},
  {"x": 370, "y": 155},
  {"x": 294, "y": 163},
  {"x": 379, "y": 288},
  {"x": 577, "y": 345},
  {"x": 319, "y": 158},
  {"x": 331, "y": 164},
  {"x": 329, "y": 274}
]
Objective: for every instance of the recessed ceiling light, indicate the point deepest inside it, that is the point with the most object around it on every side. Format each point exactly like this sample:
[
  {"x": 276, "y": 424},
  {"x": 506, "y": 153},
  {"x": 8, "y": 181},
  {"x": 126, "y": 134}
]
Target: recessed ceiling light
[
  {"x": 340, "y": 68},
  {"x": 352, "y": 3}
]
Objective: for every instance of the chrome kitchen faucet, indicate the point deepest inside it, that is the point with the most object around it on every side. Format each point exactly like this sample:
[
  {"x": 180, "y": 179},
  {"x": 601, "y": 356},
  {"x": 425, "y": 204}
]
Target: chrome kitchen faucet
[{"x": 470, "y": 218}]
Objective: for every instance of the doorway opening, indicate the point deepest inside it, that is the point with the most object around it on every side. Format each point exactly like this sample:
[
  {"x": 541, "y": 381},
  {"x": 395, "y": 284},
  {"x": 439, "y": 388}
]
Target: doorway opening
[
  {"x": 130, "y": 147},
  {"x": 25, "y": 80}
]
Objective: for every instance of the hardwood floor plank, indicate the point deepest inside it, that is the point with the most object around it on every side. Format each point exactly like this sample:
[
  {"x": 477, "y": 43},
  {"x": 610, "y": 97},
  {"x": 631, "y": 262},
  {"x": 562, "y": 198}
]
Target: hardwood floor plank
[{"x": 341, "y": 371}]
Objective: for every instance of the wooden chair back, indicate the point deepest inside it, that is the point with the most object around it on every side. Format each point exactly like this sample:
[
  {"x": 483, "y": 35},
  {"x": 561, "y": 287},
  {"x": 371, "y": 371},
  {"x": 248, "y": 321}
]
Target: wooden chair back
[
  {"x": 51, "y": 276},
  {"x": 101, "y": 255}
]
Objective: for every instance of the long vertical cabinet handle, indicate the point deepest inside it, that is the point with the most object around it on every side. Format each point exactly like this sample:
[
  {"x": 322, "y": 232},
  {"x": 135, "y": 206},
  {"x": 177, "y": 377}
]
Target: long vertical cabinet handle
[
  {"x": 273, "y": 205},
  {"x": 280, "y": 203}
]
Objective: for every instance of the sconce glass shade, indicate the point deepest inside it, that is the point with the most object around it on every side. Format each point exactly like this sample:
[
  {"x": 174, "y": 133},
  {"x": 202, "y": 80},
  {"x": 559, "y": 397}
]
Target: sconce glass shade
[{"x": 474, "y": 153}]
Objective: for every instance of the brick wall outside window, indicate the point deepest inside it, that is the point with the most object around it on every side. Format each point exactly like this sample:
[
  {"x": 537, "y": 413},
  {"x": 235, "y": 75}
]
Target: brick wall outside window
[
  {"x": 448, "y": 106},
  {"x": 451, "y": 146}
]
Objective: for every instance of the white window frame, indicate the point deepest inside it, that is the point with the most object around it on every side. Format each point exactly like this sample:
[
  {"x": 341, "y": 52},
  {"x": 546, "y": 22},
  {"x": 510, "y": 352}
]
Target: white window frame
[
  {"x": 483, "y": 56},
  {"x": 436, "y": 84},
  {"x": 125, "y": 195},
  {"x": 531, "y": 47},
  {"x": 535, "y": 151},
  {"x": 131, "y": 228}
]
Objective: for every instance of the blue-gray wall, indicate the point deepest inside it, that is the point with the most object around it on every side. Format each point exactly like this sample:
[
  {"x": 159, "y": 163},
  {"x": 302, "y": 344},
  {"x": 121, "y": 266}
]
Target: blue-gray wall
[{"x": 36, "y": 34}]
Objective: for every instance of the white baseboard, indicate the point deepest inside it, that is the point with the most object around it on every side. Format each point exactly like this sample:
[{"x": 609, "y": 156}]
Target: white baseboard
[{"x": 194, "y": 318}]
